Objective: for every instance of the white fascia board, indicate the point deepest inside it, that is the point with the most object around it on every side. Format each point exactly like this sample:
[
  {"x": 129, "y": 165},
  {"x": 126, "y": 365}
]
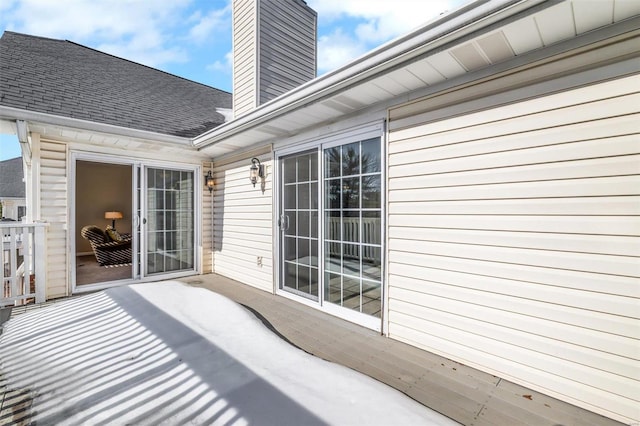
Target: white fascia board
[
  {"x": 9, "y": 113},
  {"x": 25, "y": 142},
  {"x": 440, "y": 32}
]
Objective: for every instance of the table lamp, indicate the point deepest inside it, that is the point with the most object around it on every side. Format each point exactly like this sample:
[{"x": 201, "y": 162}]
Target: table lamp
[{"x": 113, "y": 216}]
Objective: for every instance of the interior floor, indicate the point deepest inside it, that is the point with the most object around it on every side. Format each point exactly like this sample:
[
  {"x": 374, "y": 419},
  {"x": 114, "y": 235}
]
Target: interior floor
[{"x": 89, "y": 272}]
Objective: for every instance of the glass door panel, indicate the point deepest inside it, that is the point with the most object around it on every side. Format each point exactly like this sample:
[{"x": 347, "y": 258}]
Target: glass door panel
[
  {"x": 298, "y": 224},
  {"x": 353, "y": 227},
  {"x": 170, "y": 221}
]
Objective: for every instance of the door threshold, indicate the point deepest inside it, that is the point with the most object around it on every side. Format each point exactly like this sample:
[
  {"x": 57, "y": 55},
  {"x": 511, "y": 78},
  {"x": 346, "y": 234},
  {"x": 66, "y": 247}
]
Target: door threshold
[{"x": 358, "y": 318}]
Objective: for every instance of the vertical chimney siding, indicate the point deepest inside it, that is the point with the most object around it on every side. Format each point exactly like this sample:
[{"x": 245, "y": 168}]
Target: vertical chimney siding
[
  {"x": 274, "y": 50},
  {"x": 287, "y": 43}
]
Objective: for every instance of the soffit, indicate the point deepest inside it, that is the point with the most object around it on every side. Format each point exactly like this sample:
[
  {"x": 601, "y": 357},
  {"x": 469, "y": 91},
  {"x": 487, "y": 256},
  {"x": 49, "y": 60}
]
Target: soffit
[
  {"x": 113, "y": 143},
  {"x": 560, "y": 22}
]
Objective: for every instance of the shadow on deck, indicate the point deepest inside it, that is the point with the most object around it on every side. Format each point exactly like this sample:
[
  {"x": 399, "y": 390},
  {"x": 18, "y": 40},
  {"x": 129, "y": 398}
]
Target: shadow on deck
[{"x": 462, "y": 393}]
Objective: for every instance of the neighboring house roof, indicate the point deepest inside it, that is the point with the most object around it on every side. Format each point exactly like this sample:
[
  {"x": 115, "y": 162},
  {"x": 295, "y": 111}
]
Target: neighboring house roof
[
  {"x": 66, "y": 79},
  {"x": 11, "y": 179}
]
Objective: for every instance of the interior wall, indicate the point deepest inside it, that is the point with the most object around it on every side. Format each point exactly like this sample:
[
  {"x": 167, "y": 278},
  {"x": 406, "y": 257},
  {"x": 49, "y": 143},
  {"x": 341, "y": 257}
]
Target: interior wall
[{"x": 101, "y": 187}]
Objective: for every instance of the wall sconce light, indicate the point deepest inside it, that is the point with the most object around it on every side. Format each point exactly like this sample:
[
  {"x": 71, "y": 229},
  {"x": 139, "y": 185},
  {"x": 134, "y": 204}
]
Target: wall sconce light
[
  {"x": 113, "y": 216},
  {"x": 208, "y": 181},
  {"x": 256, "y": 171}
]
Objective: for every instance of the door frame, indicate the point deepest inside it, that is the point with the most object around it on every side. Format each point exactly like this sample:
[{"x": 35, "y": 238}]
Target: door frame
[
  {"x": 363, "y": 132},
  {"x": 281, "y": 263},
  {"x": 136, "y": 244},
  {"x": 143, "y": 207}
]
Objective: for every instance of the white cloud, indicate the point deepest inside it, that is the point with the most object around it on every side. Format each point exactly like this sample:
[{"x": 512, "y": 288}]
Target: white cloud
[
  {"x": 336, "y": 49},
  {"x": 372, "y": 21},
  {"x": 133, "y": 29},
  {"x": 7, "y": 4},
  {"x": 81, "y": 19},
  {"x": 161, "y": 33},
  {"x": 391, "y": 17},
  {"x": 215, "y": 20},
  {"x": 225, "y": 66}
]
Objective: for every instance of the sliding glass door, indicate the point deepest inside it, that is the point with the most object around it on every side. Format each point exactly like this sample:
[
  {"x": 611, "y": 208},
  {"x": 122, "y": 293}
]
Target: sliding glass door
[
  {"x": 352, "y": 226},
  {"x": 336, "y": 261},
  {"x": 168, "y": 221},
  {"x": 158, "y": 224},
  {"x": 298, "y": 221}
]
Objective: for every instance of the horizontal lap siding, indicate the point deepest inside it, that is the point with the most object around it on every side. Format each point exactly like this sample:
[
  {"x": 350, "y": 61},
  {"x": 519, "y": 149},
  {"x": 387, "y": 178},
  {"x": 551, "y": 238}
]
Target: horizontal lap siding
[
  {"x": 513, "y": 241},
  {"x": 242, "y": 224},
  {"x": 53, "y": 201},
  {"x": 207, "y": 225}
]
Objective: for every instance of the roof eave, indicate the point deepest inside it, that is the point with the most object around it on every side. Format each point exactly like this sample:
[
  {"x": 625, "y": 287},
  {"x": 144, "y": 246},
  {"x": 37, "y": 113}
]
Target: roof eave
[
  {"x": 10, "y": 113},
  {"x": 442, "y": 31}
]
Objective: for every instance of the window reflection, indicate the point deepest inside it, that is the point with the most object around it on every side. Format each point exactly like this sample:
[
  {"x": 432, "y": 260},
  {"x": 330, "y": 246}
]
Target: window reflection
[
  {"x": 300, "y": 214},
  {"x": 332, "y": 162},
  {"x": 371, "y": 227},
  {"x": 303, "y": 195},
  {"x": 350, "y": 159},
  {"x": 303, "y": 169},
  {"x": 332, "y": 225},
  {"x": 351, "y": 193},
  {"x": 353, "y": 226},
  {"x": 332, "y": 194},
  {"x": 170, "y": 220},
  {"x": 371, "y": 192},
  {"x": 371, "y": 156},
  {"x": 289, "y": 166}
]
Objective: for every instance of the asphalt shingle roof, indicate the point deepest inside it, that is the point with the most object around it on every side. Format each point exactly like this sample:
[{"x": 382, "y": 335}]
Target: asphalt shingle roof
[
  {"x": 63, "y": 78},
  {"x": 11, "y": 175}
]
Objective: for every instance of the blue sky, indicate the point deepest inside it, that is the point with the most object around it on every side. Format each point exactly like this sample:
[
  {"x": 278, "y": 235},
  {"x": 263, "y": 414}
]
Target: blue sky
[{"x": 192, "y": 38}]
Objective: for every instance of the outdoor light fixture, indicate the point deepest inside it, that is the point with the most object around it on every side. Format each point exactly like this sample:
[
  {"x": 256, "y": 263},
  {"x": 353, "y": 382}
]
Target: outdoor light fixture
[
  {"x": 208, "y": 181},
  {"x": 113, "y": 216},
  {"x": 255, "y": 171}
]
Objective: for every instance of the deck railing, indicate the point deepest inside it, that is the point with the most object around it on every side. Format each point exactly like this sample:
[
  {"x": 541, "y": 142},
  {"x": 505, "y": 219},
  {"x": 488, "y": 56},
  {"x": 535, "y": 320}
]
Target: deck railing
[
  {"x": 23, "y": 272},
  {"x": 350, "y": 230}
]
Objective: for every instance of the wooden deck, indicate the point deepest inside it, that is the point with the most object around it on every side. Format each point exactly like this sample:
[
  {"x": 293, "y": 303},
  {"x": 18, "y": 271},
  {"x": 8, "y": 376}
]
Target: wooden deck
[{"x": 462, "y": 393}]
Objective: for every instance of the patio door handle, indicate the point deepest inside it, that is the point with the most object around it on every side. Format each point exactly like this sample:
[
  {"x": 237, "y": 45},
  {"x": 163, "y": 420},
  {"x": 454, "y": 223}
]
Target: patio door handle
[{"x": 283, "y": 223}]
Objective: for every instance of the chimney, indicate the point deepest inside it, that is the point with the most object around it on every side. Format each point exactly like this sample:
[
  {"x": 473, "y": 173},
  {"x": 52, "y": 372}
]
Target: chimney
[{"x": 274, "y": 50}]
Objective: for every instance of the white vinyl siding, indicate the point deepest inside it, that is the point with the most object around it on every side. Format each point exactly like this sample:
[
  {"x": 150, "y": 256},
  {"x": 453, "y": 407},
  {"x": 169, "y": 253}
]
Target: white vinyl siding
[
  {"x": 244, "y": 56},
  {"x": 274, "y": 50},
  {"x": 207, "y": 224},
  {"x": 513, "y": 241},
  {"x": 53, "y": 202},
  {"x": 243, "y": 221},
  {"x": 287, "y": 47}
]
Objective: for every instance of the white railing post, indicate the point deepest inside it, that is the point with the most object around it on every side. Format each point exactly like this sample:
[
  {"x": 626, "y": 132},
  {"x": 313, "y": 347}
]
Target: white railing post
[
  {"x": 13, "y": 261},
  {"x": 23, "y": 258},
  {"x": 40, "y": 260}
]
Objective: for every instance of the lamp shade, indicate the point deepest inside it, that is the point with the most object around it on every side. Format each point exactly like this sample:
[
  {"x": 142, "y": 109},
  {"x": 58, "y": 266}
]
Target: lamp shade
[{"x": 113, "y": 215}]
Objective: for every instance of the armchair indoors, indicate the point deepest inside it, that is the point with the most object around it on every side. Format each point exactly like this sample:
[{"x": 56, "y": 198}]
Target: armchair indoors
[{"x": 108, "y": 252}]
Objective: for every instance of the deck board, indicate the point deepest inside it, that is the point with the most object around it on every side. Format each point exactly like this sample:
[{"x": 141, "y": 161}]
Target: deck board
[{"x": 460, "y": 392}]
